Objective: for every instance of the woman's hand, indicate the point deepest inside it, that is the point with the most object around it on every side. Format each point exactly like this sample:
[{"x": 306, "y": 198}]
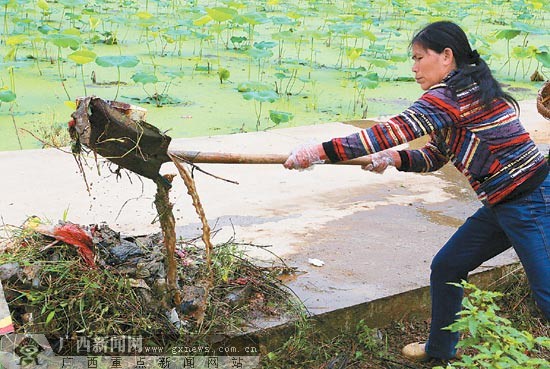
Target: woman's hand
[
  {"x": 305, "y": 156},
  {"x": 382, "y": 160}
]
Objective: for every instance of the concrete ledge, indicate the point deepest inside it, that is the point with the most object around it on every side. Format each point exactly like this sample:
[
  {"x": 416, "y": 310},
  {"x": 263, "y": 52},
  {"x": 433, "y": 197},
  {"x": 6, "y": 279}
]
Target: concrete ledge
[{"x": 409, "y": 305}]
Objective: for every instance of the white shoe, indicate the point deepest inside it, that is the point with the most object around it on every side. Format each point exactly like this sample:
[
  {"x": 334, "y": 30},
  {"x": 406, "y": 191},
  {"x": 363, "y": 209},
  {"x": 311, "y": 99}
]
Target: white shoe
[{"x": 415, "y": 351}]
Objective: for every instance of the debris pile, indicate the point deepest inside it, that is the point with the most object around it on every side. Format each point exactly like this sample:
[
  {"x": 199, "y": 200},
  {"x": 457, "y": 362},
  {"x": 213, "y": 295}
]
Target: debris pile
[{"x": 67, "y": 279}]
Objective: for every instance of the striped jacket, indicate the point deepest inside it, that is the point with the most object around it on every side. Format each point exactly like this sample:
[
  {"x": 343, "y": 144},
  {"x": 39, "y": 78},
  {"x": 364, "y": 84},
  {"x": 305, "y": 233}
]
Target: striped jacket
[{"x": 489, "y": 146}]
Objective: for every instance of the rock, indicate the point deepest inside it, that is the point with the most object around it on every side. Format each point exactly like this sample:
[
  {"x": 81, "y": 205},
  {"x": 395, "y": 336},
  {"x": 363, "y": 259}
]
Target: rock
[
  {"x": 8, "y": 270},
  {"x": 192, "y": 298},
  {"x": 238, "y": 296}
]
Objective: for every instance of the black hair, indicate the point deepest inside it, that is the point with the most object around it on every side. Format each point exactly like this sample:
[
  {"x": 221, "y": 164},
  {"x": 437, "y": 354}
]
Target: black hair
[{"x": 471, "y": 67}]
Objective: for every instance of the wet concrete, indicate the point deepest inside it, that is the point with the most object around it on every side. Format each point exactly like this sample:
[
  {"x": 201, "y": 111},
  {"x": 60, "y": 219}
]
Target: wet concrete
[{"x": 376, "y": 233}]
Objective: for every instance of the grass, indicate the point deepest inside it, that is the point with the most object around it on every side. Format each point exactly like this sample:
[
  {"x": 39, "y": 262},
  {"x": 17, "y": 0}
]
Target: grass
[
  {"x": 362, "y": 347},
  {"x": 55, "y": 293}
]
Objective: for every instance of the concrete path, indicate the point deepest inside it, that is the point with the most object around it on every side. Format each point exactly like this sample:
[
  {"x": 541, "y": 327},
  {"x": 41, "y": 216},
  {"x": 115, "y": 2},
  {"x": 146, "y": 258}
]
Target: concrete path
[{"x": 375, "y": 233}]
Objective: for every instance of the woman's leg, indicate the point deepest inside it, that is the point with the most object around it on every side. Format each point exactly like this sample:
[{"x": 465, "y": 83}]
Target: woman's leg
[
  {"x": 527, "y": 223},
  {"x": 479, "y": 239}
]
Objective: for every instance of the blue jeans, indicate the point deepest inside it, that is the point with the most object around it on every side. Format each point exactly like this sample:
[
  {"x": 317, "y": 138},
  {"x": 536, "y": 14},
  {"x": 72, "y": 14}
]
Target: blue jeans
[{"x": 524, "y": 224}]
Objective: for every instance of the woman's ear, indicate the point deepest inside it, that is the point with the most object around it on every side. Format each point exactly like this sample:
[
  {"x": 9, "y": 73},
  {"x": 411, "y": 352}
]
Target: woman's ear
[{"x": 448, "y": 56}]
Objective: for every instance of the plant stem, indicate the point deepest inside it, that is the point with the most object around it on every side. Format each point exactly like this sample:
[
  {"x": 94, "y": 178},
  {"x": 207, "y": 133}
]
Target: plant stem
[
  {"x": 12, "y": 78},
  {"x": 118, "y": 82},
  {"x": 5, "y": 22},
  {"x": 15, "y": 127},
  {"x": 258, "y": 115},
  {"x": 59, "y": 70},
  {"x": 168, "y": 224},
  {"x": 83, "y": 81},
  {"x": 35, "y": 52}
]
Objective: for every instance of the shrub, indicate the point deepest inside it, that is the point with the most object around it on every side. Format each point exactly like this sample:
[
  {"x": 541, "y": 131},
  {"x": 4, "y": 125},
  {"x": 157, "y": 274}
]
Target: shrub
[{"x": 490, "y": 341}]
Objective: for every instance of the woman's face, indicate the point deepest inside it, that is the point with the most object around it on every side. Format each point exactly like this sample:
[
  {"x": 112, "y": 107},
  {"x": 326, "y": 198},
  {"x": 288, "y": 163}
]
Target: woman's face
[{"x": 431, "y": 67}]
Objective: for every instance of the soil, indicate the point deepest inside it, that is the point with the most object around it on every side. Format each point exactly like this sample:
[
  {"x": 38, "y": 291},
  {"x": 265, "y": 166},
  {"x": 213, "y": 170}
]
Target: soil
[{"x": 516, "y": 305}]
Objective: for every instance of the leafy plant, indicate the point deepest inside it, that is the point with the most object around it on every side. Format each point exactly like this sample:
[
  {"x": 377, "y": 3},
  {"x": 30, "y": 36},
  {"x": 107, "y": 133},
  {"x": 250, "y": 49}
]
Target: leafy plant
[
  {"x": 310, "y": 347},
  {"x": 260, "y": 51},
  {"x": 279, "y": 117},
  {"x": 159, "y": 99},
  {"x": 223, "y": 74},
  {"x": 524, "y": 51},
  {"x": 120, "y": 61},
  {"x": 82, "y": 57},
  {"x": 543, "y": 57},
  {"x": 494, "y": 341},
  {"x": 69, "y": 38},
  {"x": 8, "y": 96},
  {"x": 260, "y": 93},
  {"x": 362, "y": 83},
  {"x": 252, "y": 20},
  {"x": 220, "y": 15}
]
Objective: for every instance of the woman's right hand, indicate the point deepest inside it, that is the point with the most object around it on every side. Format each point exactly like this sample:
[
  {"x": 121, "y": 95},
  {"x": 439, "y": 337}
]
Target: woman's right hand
[{"x": 305, "y": 156}]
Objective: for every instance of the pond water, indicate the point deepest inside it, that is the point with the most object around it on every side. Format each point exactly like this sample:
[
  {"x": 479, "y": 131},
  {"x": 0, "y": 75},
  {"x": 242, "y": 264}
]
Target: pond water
[{"x": 309, "y": 61}]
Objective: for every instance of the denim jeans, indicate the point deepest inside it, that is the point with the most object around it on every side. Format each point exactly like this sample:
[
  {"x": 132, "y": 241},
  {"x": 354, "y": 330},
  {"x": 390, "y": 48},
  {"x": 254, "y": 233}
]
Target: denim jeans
[{"x": 523, "y": 224}]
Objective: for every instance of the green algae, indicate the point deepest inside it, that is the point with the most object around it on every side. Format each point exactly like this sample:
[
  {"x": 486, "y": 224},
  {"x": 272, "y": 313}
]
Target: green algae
[{"x": 318, "y": 51}]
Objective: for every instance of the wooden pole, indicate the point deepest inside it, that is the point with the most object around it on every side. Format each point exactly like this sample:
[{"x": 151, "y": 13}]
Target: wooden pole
[{"x": 234, "y": 158}]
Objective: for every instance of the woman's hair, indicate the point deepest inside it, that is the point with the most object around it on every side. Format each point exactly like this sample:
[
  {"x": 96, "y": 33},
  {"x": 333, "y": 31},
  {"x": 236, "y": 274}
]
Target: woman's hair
[{"x": 438, "y": 36}]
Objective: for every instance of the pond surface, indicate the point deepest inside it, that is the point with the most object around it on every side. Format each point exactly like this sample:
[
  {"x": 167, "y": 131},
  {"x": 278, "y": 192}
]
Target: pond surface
[{"x": 219, "y": 67}]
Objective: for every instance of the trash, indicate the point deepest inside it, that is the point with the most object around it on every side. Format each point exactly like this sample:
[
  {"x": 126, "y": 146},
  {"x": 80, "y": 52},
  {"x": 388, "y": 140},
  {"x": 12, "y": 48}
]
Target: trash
[
  {"x": 139, "y": 283},
  {"x": 174, "y": 318},
  {"x": 141, "y": 256},
  {"x": 71, "y": 234},
  {"x": 316, "y": 262},
  {"x": 127, "y": 292},
  {"x": 6, "y": 324}
]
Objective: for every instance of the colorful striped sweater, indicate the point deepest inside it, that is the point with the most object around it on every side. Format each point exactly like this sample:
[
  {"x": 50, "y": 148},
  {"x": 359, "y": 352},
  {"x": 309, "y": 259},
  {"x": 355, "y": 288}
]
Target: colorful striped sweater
[{"x": 489, "y": 146}]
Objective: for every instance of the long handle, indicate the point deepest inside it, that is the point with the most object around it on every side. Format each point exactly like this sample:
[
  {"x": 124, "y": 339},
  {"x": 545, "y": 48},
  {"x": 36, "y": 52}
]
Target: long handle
[{"x": 234, "y": 158}]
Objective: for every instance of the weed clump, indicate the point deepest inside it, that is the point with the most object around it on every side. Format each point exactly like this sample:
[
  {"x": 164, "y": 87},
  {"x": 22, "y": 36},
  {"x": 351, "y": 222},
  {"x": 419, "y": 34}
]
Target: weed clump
[
  {"x": 491, "y": 340},
  {"x": 51, "y": 290}
]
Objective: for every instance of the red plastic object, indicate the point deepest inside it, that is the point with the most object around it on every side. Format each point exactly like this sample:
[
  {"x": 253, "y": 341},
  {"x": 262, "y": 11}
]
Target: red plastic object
[{"x": 75, "y": 235}]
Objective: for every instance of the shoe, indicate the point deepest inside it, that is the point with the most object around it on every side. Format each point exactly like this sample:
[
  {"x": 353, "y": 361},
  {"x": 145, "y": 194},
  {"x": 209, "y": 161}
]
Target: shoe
[{"x": 415, "y": 351}]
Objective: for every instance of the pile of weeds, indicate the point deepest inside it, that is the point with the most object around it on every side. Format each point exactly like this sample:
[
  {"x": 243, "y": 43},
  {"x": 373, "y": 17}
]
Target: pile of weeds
[{"x": 53, "y": 292}]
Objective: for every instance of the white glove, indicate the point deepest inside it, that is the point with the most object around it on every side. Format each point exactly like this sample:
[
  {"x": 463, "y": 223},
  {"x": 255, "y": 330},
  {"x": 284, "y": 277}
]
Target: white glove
[
  {"x": 305, "y": 156},
  {"x": 380, "y": 161}
]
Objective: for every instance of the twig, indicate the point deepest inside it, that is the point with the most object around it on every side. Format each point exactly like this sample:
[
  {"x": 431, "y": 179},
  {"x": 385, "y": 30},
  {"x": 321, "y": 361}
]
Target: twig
[
  {"x": 5, "y": 228},
  {"x": 505, "y": 277},
  {"x": 266, "y": 249},
  {"x": 16, "y": 131},
  {"x": 133, "y": 198},
  {"x": 75, "y": 155},
  {"x": 195, "y": 167},
  {"x": 44, "y": 142},
  {"x": 400, "y": 363},
  {"x": 520, "y": 301},
  {"x": 78, "y": 160},
  {"x": 51, "y": 244}
]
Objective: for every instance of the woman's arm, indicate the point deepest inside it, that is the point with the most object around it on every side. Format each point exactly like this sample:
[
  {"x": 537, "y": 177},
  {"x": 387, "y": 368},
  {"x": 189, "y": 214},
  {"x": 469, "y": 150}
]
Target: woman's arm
[
  {"x": 426, "y": 159},
  {"x": 434, "y": 111}
]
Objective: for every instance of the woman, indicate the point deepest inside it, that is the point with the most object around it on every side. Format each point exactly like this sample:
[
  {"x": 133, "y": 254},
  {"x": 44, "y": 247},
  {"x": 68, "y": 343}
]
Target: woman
[{"x": 475, "y": 125}]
